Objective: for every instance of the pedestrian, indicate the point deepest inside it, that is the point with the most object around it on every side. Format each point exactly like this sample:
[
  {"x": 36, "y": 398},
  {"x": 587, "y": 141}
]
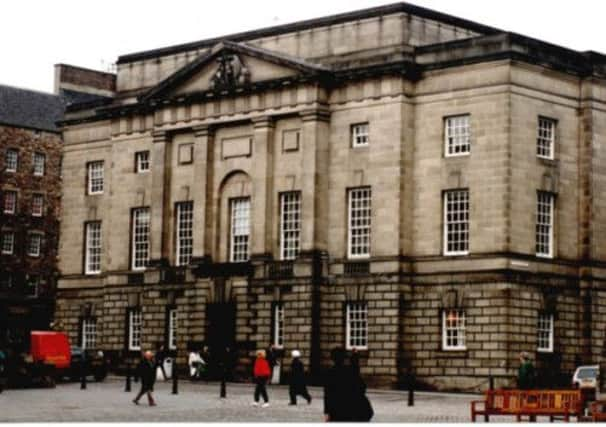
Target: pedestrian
[
  {"x": 526, "y": 373},
  {"x": 261, "y": 374},
  {"x": 225, "y": 365},
  {"x": 207, "y": 363},
  {"x": 195, "y": 363},
  {"x": 274, "y": 365},
  {"x": 298, "y": 386},
  {"x": 355, "y": 360},
  {"x": 3, "y": 369},
  {"x": 160, "y": 357},
  {"x": 345, "y": 393},
  {"x": 147, "y": 373}
]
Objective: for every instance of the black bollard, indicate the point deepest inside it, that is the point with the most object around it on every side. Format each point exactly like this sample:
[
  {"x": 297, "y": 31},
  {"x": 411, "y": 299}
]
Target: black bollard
[
  {"x": 223, "y": 389},
  {"x": 411, "y": 391},
  {"x": 128, "y": 375},
  {"x": 82, "y": 373},
  {"x": 175, "y": 376},
  {"x": 491, "y": 382}
]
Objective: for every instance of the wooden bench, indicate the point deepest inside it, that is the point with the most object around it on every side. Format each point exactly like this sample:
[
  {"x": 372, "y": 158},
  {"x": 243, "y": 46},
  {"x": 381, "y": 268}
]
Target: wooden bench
[{"x": 530, "y": 403}]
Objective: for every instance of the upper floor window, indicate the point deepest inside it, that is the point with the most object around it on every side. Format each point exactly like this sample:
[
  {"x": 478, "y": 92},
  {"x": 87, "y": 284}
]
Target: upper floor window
[
  {"x": 544, "y": 224},
  {"x": 185, "y": 232},
  {"x": 278, "y": 326},
  {"x": 95, "y": 177},
  {"x": 142, "y": 161},
  {"x": 39, "y": 164},
  {"x": 240, "y": 230},
  {"x": 173, "y": 326},
  {"x": 359, "y": 222},
  {"x": 11, "y": 162},
  {"x": 545, "y": 333},
  {"x": 34, "y": 245},
  {"x": 356, "y": 326},
  {"x": 457, "y": 132},
  {"x": 92, "y": 250},
  {"x": 360, "y": 135},
  {"x": 456, "y": 222},
  {"x": 135, "y": 325},
  {"x": 453, "y": 330},
  {"x": 140, "y": 238},
  {"x": 546, "y": 138},
  {"x": 290, "y": 225},
  {"x": 10, "y": 202},
  {"x": 37, "y": 205},
  {"x": 8, "y": 242},
  {"x": 89, "y": 333}
]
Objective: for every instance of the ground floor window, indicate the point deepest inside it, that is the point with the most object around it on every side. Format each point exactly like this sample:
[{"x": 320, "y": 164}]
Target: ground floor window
[
  {"x": 89, "y": 333},
  {"x": 545, "y": 333},
  {"x": 453, "y": 330},
  {"x": 172, "y": 328},
  {"x": 356, "y": 326},
  {"x": 278, "y": 319},
  {"x": 135, "y": 323}
]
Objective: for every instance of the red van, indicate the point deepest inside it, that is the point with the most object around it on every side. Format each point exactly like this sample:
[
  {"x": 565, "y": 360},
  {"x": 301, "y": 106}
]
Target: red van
[{"x": 51, "y": 348}]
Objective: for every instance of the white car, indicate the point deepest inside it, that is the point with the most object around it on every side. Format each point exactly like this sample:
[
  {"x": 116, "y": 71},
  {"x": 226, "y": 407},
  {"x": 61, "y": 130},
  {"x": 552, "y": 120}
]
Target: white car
[{"x": 586, "y": 377}]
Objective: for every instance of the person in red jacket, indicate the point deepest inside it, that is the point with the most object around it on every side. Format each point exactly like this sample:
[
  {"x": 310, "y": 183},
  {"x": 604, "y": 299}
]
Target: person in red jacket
[{"x": 261, "y": 373}]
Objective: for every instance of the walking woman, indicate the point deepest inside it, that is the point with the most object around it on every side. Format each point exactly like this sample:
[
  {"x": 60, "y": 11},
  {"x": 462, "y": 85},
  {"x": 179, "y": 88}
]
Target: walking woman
[{"x": 261, "y": 374}]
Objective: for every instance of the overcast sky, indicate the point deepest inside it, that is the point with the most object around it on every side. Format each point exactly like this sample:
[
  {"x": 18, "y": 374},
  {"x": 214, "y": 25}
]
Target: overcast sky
[{"x": 36, "y": 34}]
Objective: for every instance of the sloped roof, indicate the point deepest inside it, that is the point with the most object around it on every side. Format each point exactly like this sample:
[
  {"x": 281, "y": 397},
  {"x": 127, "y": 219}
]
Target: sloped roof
[{"x": 30, "y": 109}]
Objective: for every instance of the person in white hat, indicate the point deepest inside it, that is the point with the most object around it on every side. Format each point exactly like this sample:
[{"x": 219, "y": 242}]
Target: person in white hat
[{"x": 298, "y": 386}]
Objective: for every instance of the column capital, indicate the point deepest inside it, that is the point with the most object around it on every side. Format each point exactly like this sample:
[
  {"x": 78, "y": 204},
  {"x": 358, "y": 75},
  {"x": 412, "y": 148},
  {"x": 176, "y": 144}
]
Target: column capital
[
  {"x": 159, "y": 136},
  {"x": 203, "y": 130},
  {"x": 320, "y": 114},
  {"x": 263, "y": 122}
]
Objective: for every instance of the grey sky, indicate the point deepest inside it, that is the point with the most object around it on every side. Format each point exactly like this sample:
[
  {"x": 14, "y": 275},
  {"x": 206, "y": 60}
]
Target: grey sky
[{"x": 36, "y": 34}]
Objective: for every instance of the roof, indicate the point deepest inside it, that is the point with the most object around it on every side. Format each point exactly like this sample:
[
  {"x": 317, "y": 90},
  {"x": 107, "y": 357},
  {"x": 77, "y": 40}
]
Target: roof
[
  {"x": 312, "y": 23},
  {"x": 30, "y": 109}
]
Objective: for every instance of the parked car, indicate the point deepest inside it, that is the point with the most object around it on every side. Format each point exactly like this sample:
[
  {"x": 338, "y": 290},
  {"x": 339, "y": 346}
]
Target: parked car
[
  {"x": 95, "y": 364},
  {"x": 586, "y": 377}
]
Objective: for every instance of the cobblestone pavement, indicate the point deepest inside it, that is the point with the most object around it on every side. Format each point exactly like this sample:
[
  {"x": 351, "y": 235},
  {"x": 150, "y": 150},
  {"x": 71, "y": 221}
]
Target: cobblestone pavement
[{"x": 200, "y": 402}]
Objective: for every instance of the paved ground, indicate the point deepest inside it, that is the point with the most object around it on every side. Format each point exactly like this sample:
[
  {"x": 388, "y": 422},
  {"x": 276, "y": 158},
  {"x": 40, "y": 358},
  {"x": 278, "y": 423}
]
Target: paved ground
[{"x": 200, "y": 402}]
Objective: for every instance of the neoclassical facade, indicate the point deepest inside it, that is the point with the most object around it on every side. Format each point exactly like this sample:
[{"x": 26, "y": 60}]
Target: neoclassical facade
[{"x": 419, "y": 187}]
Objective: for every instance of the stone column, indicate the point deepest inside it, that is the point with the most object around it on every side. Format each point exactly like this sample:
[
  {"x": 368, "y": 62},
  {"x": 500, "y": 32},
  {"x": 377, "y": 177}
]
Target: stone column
[
  {"x": 262, "y": 197},
  {"x": 202, "y": 191},
  {"x": 160, "y": 169}
]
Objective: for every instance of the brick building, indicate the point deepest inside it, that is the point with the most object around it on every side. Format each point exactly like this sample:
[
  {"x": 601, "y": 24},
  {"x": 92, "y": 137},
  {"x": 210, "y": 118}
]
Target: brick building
[{"x": 414, "y": 185}]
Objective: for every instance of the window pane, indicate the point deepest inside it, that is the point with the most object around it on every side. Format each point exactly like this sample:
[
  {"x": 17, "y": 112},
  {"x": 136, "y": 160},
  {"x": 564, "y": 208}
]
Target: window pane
[
  {"x": 95, "y": 178},
  {"x": 357, "y": 325},
  {"x": 458, "y": 135},
  {"x": 544, "y": 224},
  {"x": 140, "y": 238},
  {"x": 93, "y": 248},
  {"x": 546, "y": 138},
  {"x": 456, "y": 222},
  {"x": 453, "y": 330},
  {"x": 290, "y": 225},
  {"x": 359, "y": 222},
  {"x": 359, "y": 135},
  {"x": 240, "y": 230},
  {"x": 185, "y": 232}
]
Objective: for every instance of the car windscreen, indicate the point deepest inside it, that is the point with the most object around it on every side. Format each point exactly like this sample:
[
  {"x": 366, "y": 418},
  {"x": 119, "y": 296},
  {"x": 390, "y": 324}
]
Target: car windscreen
[{"x": 587, "y": 373}]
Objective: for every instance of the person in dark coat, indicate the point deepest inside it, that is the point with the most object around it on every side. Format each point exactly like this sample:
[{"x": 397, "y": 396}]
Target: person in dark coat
[
  {"x": 355, "y": 360},
  {"x": 526, "y": 374},
  {"x": 160, "y": 356},
  {"x": 297, "y": 379},
  {"x": 345, "y": 393},
  {"x": 147, "y": 374}
]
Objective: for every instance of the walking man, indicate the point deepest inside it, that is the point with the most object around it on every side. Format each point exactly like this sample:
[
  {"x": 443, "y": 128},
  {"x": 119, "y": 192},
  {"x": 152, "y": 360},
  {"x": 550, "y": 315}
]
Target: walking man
[
  {"x": 298, "y": 385},
  {"x": 147, "y": 373}
]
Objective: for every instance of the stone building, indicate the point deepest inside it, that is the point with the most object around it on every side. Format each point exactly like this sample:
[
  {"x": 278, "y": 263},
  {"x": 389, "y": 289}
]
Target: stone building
[{"x": 420, "y": 187}]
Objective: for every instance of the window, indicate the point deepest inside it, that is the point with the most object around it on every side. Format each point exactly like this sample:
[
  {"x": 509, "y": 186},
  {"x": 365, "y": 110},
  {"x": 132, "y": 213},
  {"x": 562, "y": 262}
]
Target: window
[
  {"x": 10, "y": 202},
  {"x": 142, "y": 161},
  {"x": 359, "y": 135},
  {"x": 456, "y": 222},
  {"x": 140, "y": 238},
  {"x": 185, "y": 230},
  {"x": 546, "y": 138},
  {"x": 34, "y": 245},
  {"x": 359, "y": 223},
  {"x": 135, "y": 322},
  {"x": 173, "y": 326},
  {"x": 39, "y": 164},
  {"x": 290, "y": 225},
  {"x": 278, "y": 319},
  {"x": 32, "y": 286},
  {"x": 544, "y": 226},
  {"x": 356, "y": 325},
  {"x": 11, "y": 162},
  {"x": 95, "y": 177},
  {"x": 545, "y": 333},
  {"x": 453, "y": 330},
  {"x": 8, "y": 242},
  {"x": 37, "y": 205},
  {"x": 89, "y": 333},
  {"x": 457, "y": 134},
  {"x": 240, "y": 230},
  {"x": 92, "y": 261}
]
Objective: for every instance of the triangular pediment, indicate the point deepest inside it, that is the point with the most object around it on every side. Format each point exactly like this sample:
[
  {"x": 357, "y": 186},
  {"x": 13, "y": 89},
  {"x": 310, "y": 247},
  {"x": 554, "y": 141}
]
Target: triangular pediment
[{"x": 230, "y": 66}]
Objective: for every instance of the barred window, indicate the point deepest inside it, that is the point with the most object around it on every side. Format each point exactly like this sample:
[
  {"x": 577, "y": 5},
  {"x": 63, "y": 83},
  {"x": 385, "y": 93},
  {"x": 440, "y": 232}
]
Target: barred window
[
  {"x": 185, "y": 232},
  {"x": 135, "y": 323},
  {"x": 546, "y": 138},
  {"x": 173, "y": 326},
  {"x": 359, "y": 135},
  {"x": 453, "y": 330},
  {"x": 140, "y": 238},
  {"x": 37, "y": 205},
  {"x": 290, "y": 225},
  {"x": 89, "y": 333},
  {"x": 360, "y": 200},
  {"x": 356, "y": 334},
  {"x": 11, "y": 162},
  {"x": 278, "y": 319},
  {"x": 39, "y": 164},
  {"x": 458, "y": 135},
  {"x": 10, "y": 202},
  {"x": 8, "y": 242},
  {"x": 34, "y": 244},
  {"x": 456, "y": 222},
  {"x": 544, "y": 226},
  {"x": 240, "y": 230},
  {"x": 95, "y": 177},
  {"x": 545, "y": 333},
  {"x": 92, "y": 261},
  {"x": 142, "y": 161}
]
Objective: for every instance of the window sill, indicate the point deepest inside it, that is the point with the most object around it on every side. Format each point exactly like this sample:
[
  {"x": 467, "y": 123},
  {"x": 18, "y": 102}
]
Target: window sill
[{"x": 452, "y": 354}]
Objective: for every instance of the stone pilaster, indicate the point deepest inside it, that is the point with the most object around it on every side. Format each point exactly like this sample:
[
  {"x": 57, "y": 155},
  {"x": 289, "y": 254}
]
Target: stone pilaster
[
  {"x": 262, "y": 207},
  {"x": 202, "y": 193},
  {"x": 160, "y": 169}
]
